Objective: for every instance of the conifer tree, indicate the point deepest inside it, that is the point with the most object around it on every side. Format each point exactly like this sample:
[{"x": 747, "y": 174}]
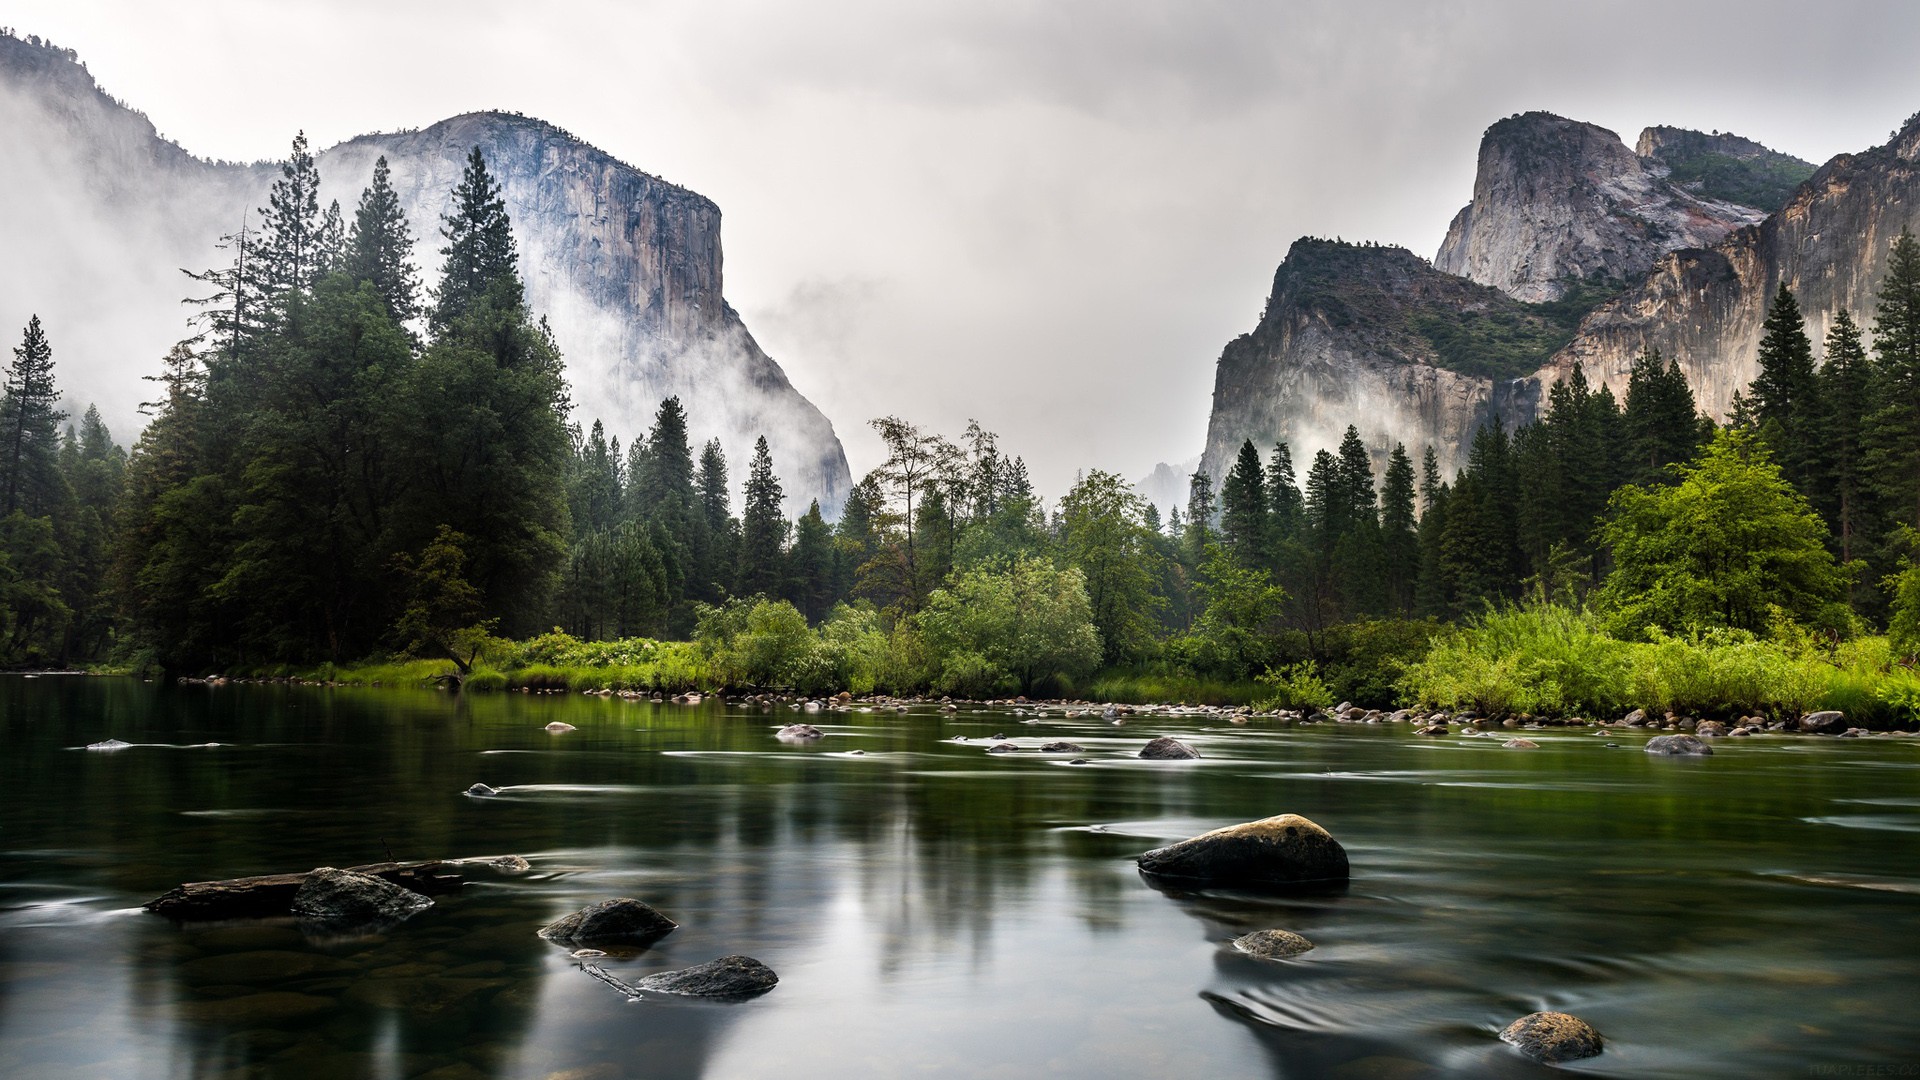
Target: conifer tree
[
  {"x": 1243, "y": 508},
  {"x": 379, "y": 248},
  {"x": 30, "y": 427},
  {"x": 1784, "y": 395},
  {"x": 1845, "y": 399},
  {"x": 763, "y": 531},
  {"x": 482, "y": 262}
]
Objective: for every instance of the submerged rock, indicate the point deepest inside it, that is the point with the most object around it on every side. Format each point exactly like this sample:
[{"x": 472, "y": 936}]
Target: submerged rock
[
  {"x": 729, "y": 976},
  {"x": 1283, "y": 850},
  {"x": 799, "y": 733},
  {"x": 1272, "y": 944},
  {"x": 1166, "y": 749},
  {"x": 620, "y": 920},
  {"x": 1676, "y": 745},
  {"x": 342, "y": 897},
  {"x": 1553, "y": 1037}
]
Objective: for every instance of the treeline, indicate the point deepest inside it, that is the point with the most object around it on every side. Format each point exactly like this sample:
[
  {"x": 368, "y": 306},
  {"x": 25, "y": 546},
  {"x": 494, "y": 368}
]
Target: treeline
[{"x": 345, "y": 465}]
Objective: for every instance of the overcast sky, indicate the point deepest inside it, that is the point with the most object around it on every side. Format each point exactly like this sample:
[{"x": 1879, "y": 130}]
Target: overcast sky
[{"x": 1050, "y": 217}]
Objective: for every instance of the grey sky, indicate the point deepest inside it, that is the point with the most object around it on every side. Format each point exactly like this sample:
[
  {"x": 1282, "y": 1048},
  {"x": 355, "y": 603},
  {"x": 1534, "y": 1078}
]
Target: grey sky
[{"x": 1050, "y": 217}]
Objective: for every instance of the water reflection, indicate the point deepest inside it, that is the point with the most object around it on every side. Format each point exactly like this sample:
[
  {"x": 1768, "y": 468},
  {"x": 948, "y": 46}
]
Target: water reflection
[{"x": 930, "y": 908}]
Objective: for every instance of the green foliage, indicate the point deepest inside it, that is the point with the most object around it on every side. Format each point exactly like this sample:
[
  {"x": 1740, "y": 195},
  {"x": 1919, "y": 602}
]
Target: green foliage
[
  {"x": 1730, "y": 545},
  {"x": 1007, "y": 626},
  {"x": 1296, "y": 686}
]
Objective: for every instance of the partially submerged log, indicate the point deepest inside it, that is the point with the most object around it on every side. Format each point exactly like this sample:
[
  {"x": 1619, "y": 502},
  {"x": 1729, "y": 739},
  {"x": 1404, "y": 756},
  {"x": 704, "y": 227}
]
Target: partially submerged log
[{"x": 272, "y": 894}]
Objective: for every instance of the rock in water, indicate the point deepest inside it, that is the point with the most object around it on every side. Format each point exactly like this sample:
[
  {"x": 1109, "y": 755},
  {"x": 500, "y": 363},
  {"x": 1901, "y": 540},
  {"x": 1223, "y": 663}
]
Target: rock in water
[
  {"x": 799, "y": 733},
  {"x": 1553, "y": 1037},
  {"x": 1819, "y": 723},
  {"x": 344, "y": 897},
  {"x": 620, "y": 920},
  {"x": 1676, "y": 745},
  {"x": 729, "y": 976},
  {"x": 1165, "y": 749},
  {"x": 480, "y": 790},
  {"x": 1283, "y": 850},
  {"x": 1272, "y": 944}
]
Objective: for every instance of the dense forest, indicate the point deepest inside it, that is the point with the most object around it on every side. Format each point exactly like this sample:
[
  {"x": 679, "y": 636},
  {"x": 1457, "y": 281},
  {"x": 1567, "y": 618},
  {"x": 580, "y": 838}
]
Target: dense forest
[{"x": 344, "y": 467}]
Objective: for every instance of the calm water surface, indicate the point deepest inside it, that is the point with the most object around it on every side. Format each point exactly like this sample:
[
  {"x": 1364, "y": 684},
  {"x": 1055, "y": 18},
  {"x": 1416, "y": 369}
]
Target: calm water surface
[{"x": 933, "y": 910}]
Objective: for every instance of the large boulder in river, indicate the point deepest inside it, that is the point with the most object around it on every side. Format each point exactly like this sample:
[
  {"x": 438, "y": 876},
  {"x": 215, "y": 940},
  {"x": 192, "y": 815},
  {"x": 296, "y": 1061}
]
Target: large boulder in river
[
  {"x": 729, "y": 976},
  {"x": 621, "y": 921},
  {"x": 1283, "y": 850},
  {"x": 1830, "y": 722},
  {"x": 1165, "y": 749},
  {"x": 1553, "y": 1037},
  {"x": 342, "y": 897},
  {"x": 1677, "y": 745}
]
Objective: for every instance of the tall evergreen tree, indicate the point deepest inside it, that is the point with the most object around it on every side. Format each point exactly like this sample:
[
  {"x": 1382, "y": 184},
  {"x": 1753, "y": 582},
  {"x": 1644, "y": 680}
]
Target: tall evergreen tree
[
  {"x": 1243, "y": 508},
  {"x": 482, "y": 262},
  {"x": 1784, "y": 395},
  {"x": 379, "y": 249},
  {"x": 30, "y": 427}
]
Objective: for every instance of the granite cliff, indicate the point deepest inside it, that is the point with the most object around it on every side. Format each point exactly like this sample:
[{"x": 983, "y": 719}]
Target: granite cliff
[
  {"x": 1557, "y": 202},
  {"x": 101, "y": 211}
]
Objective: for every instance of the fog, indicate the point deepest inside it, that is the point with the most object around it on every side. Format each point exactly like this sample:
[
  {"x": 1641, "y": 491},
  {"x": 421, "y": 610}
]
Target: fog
[{"x": 1049, "y": 217}]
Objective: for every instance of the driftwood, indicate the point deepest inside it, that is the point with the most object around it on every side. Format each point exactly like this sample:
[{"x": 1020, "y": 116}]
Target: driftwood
[{"x": 272, "y": 894}]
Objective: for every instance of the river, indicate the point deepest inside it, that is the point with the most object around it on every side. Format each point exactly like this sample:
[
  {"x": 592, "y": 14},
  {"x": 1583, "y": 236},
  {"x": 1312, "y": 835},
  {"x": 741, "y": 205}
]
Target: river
[{"x": 933, "y": 910}]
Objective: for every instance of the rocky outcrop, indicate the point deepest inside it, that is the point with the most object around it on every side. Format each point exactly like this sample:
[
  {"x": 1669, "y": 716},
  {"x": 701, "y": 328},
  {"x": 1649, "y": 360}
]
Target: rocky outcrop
[
  {"x": 623, "y": 921},
  {"x": 1557, "y": 202},
  {"x": 1375, "y": 337},
  {"x": 626, "y": 266},
  {"x": 1283, "y": 850}
]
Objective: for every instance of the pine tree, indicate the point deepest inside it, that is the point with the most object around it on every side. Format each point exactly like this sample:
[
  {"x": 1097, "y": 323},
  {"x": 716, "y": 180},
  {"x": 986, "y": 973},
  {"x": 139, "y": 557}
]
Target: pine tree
[
  {"x": 30, "y": 427},
  {"x": 379, "y": 248},
  {"x": 1243, "y": 508},
  {"x": 1399, "y": 532},
  {"x": 763, "y": 530},
  {"x": 1846, "y": 399},
  {"x": 1784, "y": 395},
  {"x": 288, "y": 258},
  {"x": 1659, "y": 426},
  {"x": 482, "y": 263},
  {"x": 1893, "y": 454}
]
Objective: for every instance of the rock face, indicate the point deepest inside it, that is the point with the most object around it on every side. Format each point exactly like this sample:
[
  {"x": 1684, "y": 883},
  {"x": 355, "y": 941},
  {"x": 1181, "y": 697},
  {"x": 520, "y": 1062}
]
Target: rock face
[
  {"x": 625, "y": 265},
  {"x": 1553, "y": 1037},
  {"x": 1166, "y": 749},
  {"x": 1558, "y": 201},
  {"x": 729, "y": 976},
  {"x": 1272, "y": 944},
  {"x": 623, "y": 921},
  {"x": 1283, "y": 850},
  {"x": 1375, "y": 337},
  {"x": 344, "y": 897}
]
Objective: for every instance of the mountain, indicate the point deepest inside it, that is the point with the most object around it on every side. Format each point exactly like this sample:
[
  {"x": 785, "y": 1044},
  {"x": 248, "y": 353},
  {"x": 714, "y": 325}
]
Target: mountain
[
  {"x": 1557, "y": 202},
  {"x": 1575, "y": 249},
  {"x": 1374, "y": 336},
  {"x": 101, "y": 211}
]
